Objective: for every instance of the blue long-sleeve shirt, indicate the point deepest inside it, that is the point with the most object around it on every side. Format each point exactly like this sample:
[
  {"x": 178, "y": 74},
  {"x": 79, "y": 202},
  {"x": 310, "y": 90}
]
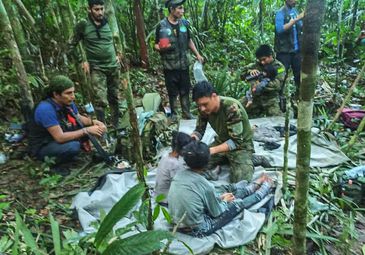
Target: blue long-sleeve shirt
[{"x": 279, "y": 24}]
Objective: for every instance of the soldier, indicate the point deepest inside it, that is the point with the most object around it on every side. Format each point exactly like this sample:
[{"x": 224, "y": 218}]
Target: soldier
[
  {"x": 173, "y": 41},
  {"x": 229, "y": 120},
  {"x": 266, "y": 87},
  {"x": 102, "y": 60}
]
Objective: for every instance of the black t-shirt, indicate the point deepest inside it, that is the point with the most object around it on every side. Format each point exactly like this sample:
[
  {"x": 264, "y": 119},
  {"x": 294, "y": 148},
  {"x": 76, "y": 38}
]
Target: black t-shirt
[{"x": 175, "y": 30}]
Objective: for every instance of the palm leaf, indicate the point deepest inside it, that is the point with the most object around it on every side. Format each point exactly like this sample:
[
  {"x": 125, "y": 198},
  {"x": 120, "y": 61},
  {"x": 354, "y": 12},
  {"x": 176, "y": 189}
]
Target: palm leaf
[
  {"x": 119, "y": 210},
  {"x": 139, "y": 244}
]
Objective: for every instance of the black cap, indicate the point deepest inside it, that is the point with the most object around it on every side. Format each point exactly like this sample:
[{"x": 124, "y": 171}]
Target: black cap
[{"x": 170, "y": 3}]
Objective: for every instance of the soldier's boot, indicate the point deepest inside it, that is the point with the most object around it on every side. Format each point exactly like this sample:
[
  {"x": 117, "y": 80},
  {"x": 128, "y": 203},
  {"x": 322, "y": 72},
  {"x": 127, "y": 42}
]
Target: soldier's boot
[
  {"x": 173, "y": 106},
  {"x": 115, "y": 116},
  {"x": 259, "y": 160},
  {"x": 185, "y": 107}
]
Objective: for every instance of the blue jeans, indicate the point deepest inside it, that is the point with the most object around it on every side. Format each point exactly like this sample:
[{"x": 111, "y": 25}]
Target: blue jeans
[
  {"x": 245, "y": 197},
  {"x": 63, "y": 152}
]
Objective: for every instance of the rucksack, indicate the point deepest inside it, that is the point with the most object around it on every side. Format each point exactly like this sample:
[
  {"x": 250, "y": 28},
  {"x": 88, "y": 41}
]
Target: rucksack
[
  {"x": 352, "y": 118},
  {"x": 352, "y": 185}
]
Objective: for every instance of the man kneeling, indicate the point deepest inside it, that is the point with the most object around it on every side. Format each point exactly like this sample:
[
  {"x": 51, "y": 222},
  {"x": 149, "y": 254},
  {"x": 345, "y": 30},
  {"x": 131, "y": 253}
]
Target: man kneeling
[{"x": 205, "y": 210}]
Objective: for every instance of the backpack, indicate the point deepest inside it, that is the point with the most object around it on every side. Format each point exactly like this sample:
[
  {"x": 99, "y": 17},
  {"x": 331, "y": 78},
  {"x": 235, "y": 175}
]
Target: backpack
[
  {"x": 352, "y": 185},
  {"x": 352, "y": 118}
]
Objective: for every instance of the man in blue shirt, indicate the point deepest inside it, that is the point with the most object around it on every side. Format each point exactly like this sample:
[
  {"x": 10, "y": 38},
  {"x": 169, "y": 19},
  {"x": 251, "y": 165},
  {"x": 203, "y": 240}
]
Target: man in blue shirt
[
  {"x": 288, "y": 29},
  {"x": 54, "y": 131}
]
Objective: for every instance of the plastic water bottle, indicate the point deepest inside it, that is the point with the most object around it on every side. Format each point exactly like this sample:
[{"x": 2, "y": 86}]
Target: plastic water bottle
[{"x": 198, "y": 72}]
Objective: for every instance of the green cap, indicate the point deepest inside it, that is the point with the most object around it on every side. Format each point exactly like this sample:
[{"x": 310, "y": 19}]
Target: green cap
[
  {"x": 59, "y": 83},
  {"x": 170, "y": 3}
]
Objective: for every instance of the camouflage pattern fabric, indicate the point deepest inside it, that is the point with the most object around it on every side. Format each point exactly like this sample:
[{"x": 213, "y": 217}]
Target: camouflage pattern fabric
[
  {"x": 231, "y": 124},
  {"x": 266, "y": 104},
  {"x": 105, "y": 89}
]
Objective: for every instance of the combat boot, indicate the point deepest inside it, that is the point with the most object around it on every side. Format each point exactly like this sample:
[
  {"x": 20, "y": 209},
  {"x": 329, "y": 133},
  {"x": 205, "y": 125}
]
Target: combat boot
[{"x": 185, "y": 107}]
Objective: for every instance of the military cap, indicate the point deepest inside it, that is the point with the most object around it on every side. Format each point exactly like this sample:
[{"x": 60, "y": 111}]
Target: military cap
[{"x": 170, "y": 3}]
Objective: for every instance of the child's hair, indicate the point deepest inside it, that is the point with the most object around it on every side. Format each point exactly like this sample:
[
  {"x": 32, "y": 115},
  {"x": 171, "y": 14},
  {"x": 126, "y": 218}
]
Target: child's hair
[
  {"x": 179, "y": 140},
  {"x": 270, "y": 71},
  {"x": 196, "y": 155}
]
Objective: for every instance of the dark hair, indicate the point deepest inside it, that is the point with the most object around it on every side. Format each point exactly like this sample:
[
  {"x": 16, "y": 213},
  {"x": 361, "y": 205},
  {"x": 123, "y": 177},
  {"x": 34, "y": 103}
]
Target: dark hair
[
  {"x": 95, "y": 2},
  {"x": 270, "y": 71},
  {"x": 203, "y": 89},
  {"x": 179, "y": 140},
  {"x": 58, "y": 84},
  {"x": 196, "y": 155},
  {"x": 264, "y": 51}
]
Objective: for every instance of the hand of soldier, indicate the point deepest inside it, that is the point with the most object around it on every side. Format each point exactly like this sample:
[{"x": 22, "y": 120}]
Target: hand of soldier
[
  {"x": 195, "y": 137},
  {"x": 86, "y": 67},
  {"x": 95, "y": 130},
  {"x": 100, "y": 124},
  {"x": 254, "y": 72},
  {"x": 248, "y": 104},
  {"x": 228, "y": 197},
  {"x": 200, "y": 58}
]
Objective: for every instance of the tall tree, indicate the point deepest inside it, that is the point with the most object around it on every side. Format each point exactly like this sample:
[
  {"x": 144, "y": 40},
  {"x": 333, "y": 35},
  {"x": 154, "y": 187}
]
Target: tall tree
[
  {"x": 313, "y": 18},
  {"x": 8, "y": 35},
  {"x": 141, "y": 35}
]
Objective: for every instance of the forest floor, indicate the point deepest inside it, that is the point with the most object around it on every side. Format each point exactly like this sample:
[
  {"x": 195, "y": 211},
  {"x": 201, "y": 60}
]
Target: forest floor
[{"x": 33, "y": 191}]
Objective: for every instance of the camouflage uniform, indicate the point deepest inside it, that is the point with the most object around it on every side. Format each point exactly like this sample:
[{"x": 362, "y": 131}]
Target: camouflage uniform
[
  {"x": 104, "y": 67},
  {"x": 232, "y": 126},
  {"x": 267, "y": 103}
]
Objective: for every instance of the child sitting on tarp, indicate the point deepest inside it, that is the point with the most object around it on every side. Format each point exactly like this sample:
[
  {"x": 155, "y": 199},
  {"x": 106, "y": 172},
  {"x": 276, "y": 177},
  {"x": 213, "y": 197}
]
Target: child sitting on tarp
[
  {"x": 170, "y": 164},
  {"x": 194, "y": 202}
]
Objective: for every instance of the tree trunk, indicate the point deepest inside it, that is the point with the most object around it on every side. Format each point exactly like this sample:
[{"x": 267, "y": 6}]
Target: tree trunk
[
  {"x": 141, "y": 35},
  {"x": 112, "y": 20},
  {"x": 205, "y": 15},
  {"x": 25, "y": 92},
  {"x": 261, "y": 11},
  {"x": 17, "y": 30},
  {"x": 137, "y": 144},
  {"x": 313, "y": 18},
  {"x": 25, "y": 12},
  {"x": 338, "y": 51},
  {"x": 354, "y": 15}
]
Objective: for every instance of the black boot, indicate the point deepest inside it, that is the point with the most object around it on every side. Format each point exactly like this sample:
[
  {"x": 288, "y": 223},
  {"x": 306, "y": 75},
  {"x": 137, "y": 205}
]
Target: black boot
[
  {"x": 115, "y": 116},
  {"x": 185, "y": 107},
  {"x": 173, "y": 106}
]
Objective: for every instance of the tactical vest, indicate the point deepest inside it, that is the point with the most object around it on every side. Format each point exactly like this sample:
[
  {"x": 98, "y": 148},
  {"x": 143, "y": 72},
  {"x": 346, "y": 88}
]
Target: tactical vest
[
  {"x": 176, "y": 58},
  {"x": 284, "y": 42},
  {"x": 39, "y": 136}
]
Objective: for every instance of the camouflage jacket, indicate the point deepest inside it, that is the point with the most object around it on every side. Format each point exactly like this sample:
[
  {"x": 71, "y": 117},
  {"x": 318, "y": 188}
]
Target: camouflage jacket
[
  {"x": 230, "y": 123},
  {"x": 273, "y": 88}
]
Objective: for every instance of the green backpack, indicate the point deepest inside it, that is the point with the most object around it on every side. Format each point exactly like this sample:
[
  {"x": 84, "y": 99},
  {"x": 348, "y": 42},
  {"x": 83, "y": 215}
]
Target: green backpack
[{"x": 352, "y": 185}]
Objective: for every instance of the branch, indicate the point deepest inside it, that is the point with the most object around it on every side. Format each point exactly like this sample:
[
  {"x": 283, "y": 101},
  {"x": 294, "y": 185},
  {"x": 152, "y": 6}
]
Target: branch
[{"x": 25, "y": 12}]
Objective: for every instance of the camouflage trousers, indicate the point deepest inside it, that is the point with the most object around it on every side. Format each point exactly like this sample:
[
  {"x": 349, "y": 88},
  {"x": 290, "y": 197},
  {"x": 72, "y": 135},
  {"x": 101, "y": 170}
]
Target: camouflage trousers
[
  {"x": 106, "y": 91},
  {"x": 263, "y": 107},
  {"x": 240, "y": 163}
]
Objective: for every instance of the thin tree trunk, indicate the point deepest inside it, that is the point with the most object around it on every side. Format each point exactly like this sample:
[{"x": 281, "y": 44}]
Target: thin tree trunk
[
  {"x": 261, "y": 11},
  {"x": 354, "y": 15},
  {"x": 137, "y": 144},
  {"x": 311, "y": 34},
  {"x": 286, "y": 143},
  {"x": 205, "y": 15},
  {"x": 347, "y": 98},
  {"x": 353, "y": 139},
  {"x": 338, "y": 50},
  {"x": 17, "y": 29},
  {"x": 25, "y": 12},
  {"x": 25, "y": 92},
  {"x": 141, "y": 35}
]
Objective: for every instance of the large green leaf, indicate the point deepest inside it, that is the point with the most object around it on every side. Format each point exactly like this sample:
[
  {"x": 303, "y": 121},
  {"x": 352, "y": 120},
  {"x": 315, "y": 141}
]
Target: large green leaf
[
  {"x": 28, "y": 237},
  {"x": 139, "y": 244},
  {"x": 119, "y": 210},
  {"x": 55, "y": 235}
]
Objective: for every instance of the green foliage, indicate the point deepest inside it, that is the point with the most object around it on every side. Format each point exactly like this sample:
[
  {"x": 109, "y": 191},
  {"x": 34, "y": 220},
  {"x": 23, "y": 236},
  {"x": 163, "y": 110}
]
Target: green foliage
[
  {"x": 119, "y": 210},
  {"x": 139, "y": 244}
]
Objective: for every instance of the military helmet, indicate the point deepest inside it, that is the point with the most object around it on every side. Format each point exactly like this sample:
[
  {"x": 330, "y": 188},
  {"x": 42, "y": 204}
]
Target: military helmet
[{"x": 170, "y": 3}]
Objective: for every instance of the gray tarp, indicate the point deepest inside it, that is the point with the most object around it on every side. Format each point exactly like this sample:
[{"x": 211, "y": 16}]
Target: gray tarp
[
  {"x": 243, "y": 228},
  {"x": 324, "y": 151}
]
